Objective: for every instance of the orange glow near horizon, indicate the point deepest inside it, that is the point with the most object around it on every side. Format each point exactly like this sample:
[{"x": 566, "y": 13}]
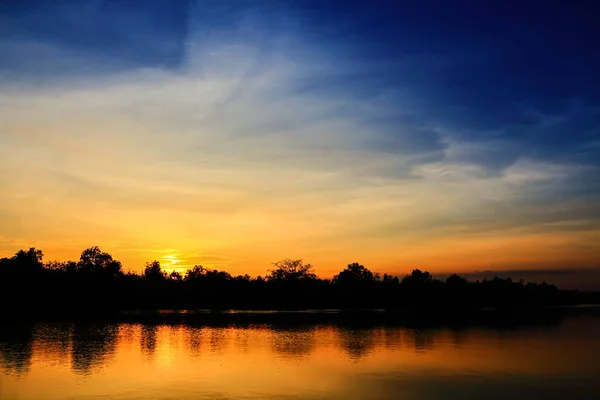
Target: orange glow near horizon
[
  {"x": 440, "y": 256},
  {"x": 138, "y": 164}
]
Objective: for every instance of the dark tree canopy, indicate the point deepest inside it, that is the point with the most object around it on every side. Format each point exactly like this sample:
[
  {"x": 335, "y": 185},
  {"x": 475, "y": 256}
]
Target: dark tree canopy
[
  {"x": 97, "y": 282},
  {"x": 94, "y": 260},
  {"x": 29, "y": 260},
  {"x": 289, "y": 269},
  {"x": 456, "y": 281},
  {"x": 355, "y": 273},
  {"x": 153, "y": 271},
  {"x": 418, "y": 278}
]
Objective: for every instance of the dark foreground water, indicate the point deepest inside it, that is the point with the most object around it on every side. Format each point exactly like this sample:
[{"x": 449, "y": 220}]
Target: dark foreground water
[{"x": 183, "y": 360}]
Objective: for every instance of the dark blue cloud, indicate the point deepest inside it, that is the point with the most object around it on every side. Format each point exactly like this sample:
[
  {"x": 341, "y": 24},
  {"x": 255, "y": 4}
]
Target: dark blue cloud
[
  {"x": 482, "y": 66},
  {"x": 121, "y": 33}
]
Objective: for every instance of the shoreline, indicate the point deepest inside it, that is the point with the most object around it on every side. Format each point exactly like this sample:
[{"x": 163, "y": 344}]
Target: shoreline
[{"x": 492, "y": 318}]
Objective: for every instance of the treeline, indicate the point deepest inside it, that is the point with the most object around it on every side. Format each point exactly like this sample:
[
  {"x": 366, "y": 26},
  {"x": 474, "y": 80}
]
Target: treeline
[{"x": 97, "y": 282}]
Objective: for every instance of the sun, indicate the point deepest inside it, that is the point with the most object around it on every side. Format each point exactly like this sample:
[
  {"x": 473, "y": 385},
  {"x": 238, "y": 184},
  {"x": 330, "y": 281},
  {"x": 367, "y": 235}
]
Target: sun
[{"x": 170, "y": 262}]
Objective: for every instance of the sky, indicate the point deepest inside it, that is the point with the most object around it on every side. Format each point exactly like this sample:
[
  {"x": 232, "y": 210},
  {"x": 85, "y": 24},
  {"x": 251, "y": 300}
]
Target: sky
[{"x": 455, "y": 136}]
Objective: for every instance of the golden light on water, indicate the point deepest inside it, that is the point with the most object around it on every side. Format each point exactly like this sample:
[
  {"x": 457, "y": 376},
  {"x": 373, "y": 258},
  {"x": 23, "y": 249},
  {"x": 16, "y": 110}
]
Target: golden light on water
[{"x": 328, "y": 361}]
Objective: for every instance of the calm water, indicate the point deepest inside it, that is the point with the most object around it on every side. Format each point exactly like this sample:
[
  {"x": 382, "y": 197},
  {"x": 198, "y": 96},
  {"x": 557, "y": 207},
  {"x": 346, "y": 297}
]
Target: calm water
[{"x": 180, "y": 361}]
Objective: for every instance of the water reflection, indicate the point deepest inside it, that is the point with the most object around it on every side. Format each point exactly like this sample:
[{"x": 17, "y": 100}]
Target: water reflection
[
  {"x": 194, "y": 339},
  {"x": 218, "y": 339},
  {"x": 52, "y": 343},
  {"x": 148, "y": 340},
  {"x": 92, "y": 346},
  {"x": 423, "y": 340},
  {"x": 293, "y": 343},
  {"x": 356, "y": 342},
  {"x": 16, "y": 349},
  {"x": 325, "y": 361}
]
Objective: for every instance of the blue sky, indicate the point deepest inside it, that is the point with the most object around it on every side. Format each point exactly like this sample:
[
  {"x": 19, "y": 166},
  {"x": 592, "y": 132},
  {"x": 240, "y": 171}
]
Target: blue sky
[{"x": 243, "y": 130}]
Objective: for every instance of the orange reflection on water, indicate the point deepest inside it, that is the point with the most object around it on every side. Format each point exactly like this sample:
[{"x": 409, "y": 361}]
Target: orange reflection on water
[{"x": 130, "y": 361}]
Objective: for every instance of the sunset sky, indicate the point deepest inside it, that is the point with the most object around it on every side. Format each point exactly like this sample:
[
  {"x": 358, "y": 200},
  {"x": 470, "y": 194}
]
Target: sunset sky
[{"x": 452, "y": 136}]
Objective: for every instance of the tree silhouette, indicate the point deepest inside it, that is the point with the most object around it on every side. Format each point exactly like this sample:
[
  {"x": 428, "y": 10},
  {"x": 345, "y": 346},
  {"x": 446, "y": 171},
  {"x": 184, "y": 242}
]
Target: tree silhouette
[
  {"x": 69, "y": 267},
  {"x": 458, "y": 282},
  {"x": 94, "y": 260},
  {"x": 355, "y": 273},
  {"x": 153, "y": 271},
  {"x": 96, "y": 283},
  {"x": 289, "y": 269},
  {"x": 175, "y": 276},
  {"x": 196, "y": 273},
  {"x": 25, "y": 262},
  {"x": 390, "y": 280},
  {"x": 418, "y": 280}
]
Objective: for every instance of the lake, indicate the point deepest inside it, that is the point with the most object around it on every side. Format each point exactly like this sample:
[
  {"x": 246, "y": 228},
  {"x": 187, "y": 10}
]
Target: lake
[{"x": 559, "y": 359}]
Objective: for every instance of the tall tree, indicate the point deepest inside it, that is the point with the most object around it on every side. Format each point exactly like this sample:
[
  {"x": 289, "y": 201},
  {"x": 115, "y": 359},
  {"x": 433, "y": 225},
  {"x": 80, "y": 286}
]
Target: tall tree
[
  {"x": 289, "y": 269},
  {"x": 96, "y": 261},
  {"x": 355, "y": 273}
]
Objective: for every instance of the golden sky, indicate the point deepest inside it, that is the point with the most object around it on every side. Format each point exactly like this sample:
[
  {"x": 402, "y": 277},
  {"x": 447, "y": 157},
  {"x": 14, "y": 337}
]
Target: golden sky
[{"x": 141, "y": 166}]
